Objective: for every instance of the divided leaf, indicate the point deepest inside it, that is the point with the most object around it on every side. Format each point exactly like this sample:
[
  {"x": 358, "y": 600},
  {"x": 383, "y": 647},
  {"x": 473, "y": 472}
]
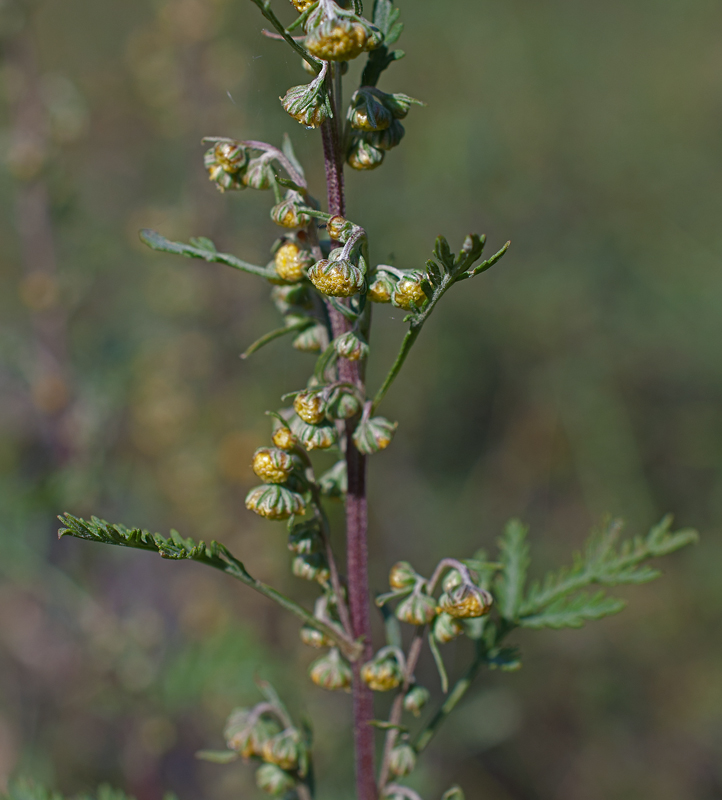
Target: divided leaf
[
  {"x": 573, "y": 612},
  {"x": 514, "y": 557},
  {"x": 201, "y": 247},
  {"x": 603, "y": 562}
]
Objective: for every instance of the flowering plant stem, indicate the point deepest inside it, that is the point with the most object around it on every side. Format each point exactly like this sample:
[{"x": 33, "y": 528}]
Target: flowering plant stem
[{"x": 356, "y": 511}]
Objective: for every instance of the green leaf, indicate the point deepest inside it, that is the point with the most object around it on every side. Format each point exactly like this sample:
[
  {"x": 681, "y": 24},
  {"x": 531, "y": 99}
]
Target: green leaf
[
  {"x": 217, "y": 756},
  {"x": 25, "y": 789},
  {"x": 385, "y": 18},
  {"x": 203, "y": 243},
  {"x": 439, "y": 661},
  {"x": 604, "y": 561},
  {"x": 507, "y": 659},
  {"x": 157, "y": 242},
  {"x": 277, "y": 334},
  {"x": 290, "y": 153},
  {"x": 575, "y": 611},
  {"x": 514, "y": 557},
  {"x": 214, "y": 555}
]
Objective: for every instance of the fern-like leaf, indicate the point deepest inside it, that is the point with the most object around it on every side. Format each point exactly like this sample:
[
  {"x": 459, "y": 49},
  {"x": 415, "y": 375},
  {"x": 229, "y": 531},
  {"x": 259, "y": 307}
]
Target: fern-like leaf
[
  {"x": 214, "y": 555},
  {"x": 573, "y": 612},
  {"x": 514, "y": 557},
  {"x": 606, "y": 562}
]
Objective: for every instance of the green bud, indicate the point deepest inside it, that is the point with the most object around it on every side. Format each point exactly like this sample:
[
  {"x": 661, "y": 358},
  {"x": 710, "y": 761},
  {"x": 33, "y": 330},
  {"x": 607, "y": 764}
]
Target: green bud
[
  {"x": 382, "y": 674},
  {"x": 373, "y": 435},
  {"x": 466, "y": 601},
  {"x": 415, "y": 700},
  {"x": 454, "y": 793},
  {"x": 402, "y": 760},
  {"x": 334, "y": 483},
  {"x": 309, "y": 104},
  {"x": 343, "y": 403},
  {"x": 340, "y": 229},
  {"x": 381, "y": 288},
  {"x": 310, "y": 406},
  {"x": 275, "y": 502},
  {"x": 337, "y": 278},
  {"x": 312, "y": 340},
  {"x": 273, "y": 465},
  {"x": 226, "y": 163},
  {"x": 289, "y": 260},
  {"x": 274, "y": 780},
  {"x": 352, "y": 346},
  {"x": 314, "y": 638},
  {"x": 287, "y": 298},
  {"x": 245, "y": 738},
  {"x": 341, "y": 38},
  {"x": 289, "y": 212},
  {"x": 259, "y": 174},
  {"x": 399, "y": 104},
  {"x": 367, "y": 112},
  {"x": 305, "y": 538},
  {"x": 363, "y": 155},
  {"x": 409, "y": 293},
  {"x": 418, "y": 609},
  {"x": 314, "y": 437},
  {"x": 447, "y": 628},
  {"x": 331, "y": 672},
  {"x": 388, "y": 138},
  {"x": 402, "y": 576},
  {"x": 313, "y": 567},
  {"x": 283, "y": 749}
]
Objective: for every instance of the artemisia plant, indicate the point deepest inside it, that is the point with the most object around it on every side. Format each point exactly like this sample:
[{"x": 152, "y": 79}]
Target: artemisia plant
[{"x": 324, "y": 282}]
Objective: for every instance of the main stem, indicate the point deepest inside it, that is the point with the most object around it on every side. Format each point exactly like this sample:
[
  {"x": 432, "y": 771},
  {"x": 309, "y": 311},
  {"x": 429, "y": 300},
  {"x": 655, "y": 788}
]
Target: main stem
[{"x": 356, "y": 513}]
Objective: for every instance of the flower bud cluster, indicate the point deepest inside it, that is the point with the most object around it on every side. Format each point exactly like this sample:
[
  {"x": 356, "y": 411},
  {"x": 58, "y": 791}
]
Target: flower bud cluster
[
  {"x": 226, "y": 163},
  {"x": 275, "y": 502},
  {"x": 246, "y": 732},
  {"x": 408, "y": 292},
  {"x": 385, "y": 671},
  {"x": 374, "y": 117},
  {"x": 289, "y": 213},
  {"x": 374, "y": 434},
  {"x": 331, "y": 672},
  {"x": 466, "y": 601},
  {"x": 291, "y": 262},
  {"x": 416, "y": 699},
  {"x": 309, "y": 103},
  {"x": 337, "y": 275},
  {"x": 352, "y": 346},
  {"x": 311, "y": 567},
  {"x": 334, "y": 482},
  {"x": 257, "y": 733},
  {"x": 402, "y": 760},
  {"x": 337, "y": 34}
]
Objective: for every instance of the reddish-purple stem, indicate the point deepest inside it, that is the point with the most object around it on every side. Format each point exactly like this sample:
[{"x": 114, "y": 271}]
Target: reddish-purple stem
[{"x": 356, "y": 515}]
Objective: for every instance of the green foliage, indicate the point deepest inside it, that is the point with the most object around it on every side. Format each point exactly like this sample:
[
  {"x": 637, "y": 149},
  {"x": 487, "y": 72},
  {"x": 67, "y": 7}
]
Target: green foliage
[
  {"x": 514, "y": 564},
  {"x": 603, "y": 561},
  {"x": 201, "y": 247},
  {"x": 215, "y": 555},
  {"x": 25, "y": 789}
]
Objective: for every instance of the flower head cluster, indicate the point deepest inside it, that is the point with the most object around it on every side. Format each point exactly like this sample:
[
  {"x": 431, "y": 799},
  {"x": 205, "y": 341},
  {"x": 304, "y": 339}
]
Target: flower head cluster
[
  {"x": 337, "y": 34},
  {"x": 374, "y": 118}
]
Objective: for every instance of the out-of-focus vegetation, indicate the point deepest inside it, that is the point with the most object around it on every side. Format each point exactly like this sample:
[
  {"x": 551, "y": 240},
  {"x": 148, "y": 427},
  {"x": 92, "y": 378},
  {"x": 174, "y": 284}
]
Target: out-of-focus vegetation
[{"x": 589, "y": 134}]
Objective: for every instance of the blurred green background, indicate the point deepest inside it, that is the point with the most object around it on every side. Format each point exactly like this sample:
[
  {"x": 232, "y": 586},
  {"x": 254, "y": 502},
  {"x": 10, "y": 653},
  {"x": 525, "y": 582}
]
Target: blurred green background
[{"x": 583, "y": 376}]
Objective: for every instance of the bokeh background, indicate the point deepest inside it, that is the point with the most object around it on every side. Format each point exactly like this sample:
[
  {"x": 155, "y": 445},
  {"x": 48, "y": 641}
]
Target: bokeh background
[{"x": 581, "y": 377}]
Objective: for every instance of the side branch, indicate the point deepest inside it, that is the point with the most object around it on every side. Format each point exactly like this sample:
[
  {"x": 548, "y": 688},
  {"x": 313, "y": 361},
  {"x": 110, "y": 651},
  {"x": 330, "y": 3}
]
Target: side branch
[
  {"x": 265, "y": 7},
  {"x": 214, "y": 555},
  {"x": 157, "y": 242}
]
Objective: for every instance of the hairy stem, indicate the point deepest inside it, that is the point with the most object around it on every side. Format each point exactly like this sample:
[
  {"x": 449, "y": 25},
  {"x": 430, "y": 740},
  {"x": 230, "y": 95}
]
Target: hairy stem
[{"x": 356, "y": 513}]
